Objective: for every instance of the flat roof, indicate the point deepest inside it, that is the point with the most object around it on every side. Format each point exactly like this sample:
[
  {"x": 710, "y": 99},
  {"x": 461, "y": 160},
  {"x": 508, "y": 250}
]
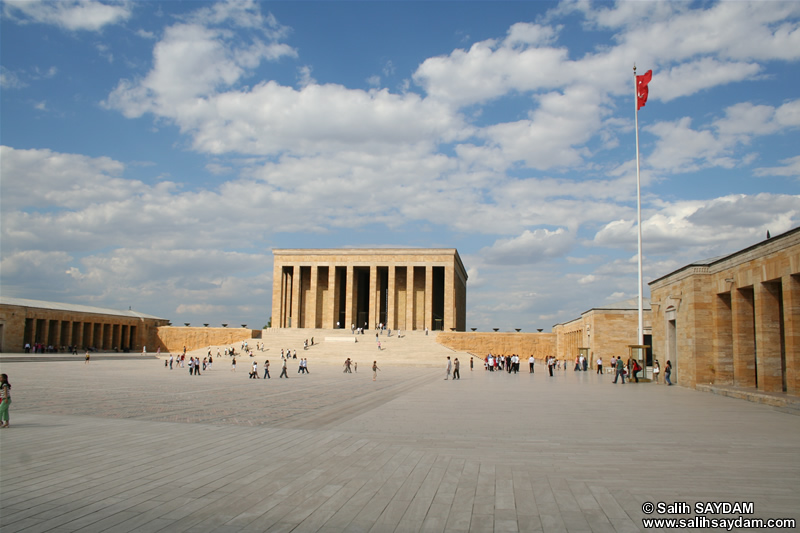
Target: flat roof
[
  {"x": 368, "y": 251},
  {"x": 75, "y": 308}
]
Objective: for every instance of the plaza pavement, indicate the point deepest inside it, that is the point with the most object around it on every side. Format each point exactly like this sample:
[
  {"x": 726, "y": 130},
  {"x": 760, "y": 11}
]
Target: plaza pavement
[{"x": 127, "y": 445}]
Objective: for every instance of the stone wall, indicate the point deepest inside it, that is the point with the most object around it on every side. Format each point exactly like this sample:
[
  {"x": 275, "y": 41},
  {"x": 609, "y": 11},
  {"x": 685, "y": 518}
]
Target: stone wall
[
  {"x": 173, "y": 339},
  {"x": 540, "y": 345},
  {"x": 734, "y": 321},
  {"x": 605, "y": 332}
]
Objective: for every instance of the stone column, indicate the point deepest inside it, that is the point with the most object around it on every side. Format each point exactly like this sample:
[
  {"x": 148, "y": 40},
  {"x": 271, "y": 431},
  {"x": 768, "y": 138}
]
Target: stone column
[
  {"x": 311, "y": 306},
  {"x": 743, "y": 335},
  {"x": 410, "y": 297},
  {"x": 334, "y": 299},
  {"x": 115, "y": 330},
  {"x": 277, "y": 295},
  {"x": 372, "y": 314},
  {"x": 721, "y": 335},
  {"x": 55, "y": 334},
  {"x": 791, "y": 330},
  {"x": 449, "y": 297},
  {"x": 295, "y": 308},
  {"x": 429, "y": 297},
  {"x": 68, "y": 336},
  {"x": 768, "y": 336},
  {"x": 45, "y": 333},
  {"x": 349, "y": 319},
  {"x": 391, "y": 321},
  {"x": 124, "y": 336}
]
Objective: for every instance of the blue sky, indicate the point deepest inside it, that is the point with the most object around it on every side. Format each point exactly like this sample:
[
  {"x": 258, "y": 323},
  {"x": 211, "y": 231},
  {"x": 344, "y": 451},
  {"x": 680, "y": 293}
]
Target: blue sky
[{"x": 153, "y": 153}]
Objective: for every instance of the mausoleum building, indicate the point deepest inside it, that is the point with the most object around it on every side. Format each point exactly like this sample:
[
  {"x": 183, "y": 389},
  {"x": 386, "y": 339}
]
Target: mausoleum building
[{"x": 402, "y": 288}]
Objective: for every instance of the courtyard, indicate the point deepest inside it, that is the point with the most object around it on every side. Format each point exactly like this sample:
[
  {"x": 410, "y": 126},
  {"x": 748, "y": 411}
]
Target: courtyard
[{"x": 129, "y": 445}]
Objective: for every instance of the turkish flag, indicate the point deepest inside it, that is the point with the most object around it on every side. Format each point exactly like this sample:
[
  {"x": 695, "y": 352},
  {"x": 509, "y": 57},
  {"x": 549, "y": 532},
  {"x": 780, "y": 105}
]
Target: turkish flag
[{"x": 641, "y": 88}]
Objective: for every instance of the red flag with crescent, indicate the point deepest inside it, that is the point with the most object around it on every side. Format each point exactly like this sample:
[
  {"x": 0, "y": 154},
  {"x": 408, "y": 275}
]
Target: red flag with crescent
[{"x": 641, "y": 88}]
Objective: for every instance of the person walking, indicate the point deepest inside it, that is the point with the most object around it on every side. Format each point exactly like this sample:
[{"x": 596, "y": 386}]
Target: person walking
[
  {"x": 656, "y": 371},
  {"x": 599, "y": 365},
  {"x": 668, "y": 372},
  {"x": 620, "y": 371},
  {"x": 266, "y": 369},
  {"x": 449, "y": 368},
  {"x": 636, "y": 369},
  {"x": 5, "y": 400},
  {"x": 233, "y": 365},
  {"x": 530, "y": 364},
  {"x": 283, "y": 370},
  {"x": 456, "y": 369},
  {"x": 375, "y": 370}
]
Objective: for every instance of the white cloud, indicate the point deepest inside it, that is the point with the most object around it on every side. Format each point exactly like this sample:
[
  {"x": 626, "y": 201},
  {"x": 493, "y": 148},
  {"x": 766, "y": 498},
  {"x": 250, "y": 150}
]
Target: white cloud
[
  {"x": 790, "y": 168},
  {"x": 192, "y": 83},
  {"x": 699, "y": 229},
  {"x": 304, "y": 76},
  {"x": 681, "y": 148},
  {"x": 524, "y": 33},
  {"x": 732, "y": 30},
  {"x": 10, "y": 79},
  {"x": 689, "y": 78},
  {"x": 33, "y": 178},
  {"x": 74, "y": 15},
  {"x": 487, "y": 71},
  {"x": 555, "y": 133},
  {"x": 530, "y": 247},
  {"x": 746, "y": 120}
]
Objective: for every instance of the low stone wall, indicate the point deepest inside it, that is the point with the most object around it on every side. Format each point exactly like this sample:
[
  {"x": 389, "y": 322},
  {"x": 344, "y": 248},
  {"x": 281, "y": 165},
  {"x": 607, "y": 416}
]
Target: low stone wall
[
  {"x": 540, "y": 345},
  {"x": 173, "y": 339}
]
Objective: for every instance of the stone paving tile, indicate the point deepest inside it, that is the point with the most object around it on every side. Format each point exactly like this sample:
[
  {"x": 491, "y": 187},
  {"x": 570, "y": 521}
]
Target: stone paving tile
[{"x": 125, "y": 445}]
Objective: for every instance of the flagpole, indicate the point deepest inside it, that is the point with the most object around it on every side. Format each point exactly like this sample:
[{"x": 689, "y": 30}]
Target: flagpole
[{"x": 640, "y": 332}]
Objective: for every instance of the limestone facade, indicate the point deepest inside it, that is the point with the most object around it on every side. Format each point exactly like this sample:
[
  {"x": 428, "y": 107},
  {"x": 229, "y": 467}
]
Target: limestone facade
[
  {"x": 605, "y": 331},
  {"x": 25, "y": 321},
  {"x": 172, "y": 339},
  {"x": 539, "y": 345},
  {"x": 403, "y": 288},
  {"x": 734, "y": 320}
]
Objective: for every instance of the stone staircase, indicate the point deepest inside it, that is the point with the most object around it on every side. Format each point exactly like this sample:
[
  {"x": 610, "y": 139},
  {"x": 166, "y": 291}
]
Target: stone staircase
[{"x": 412, "y": 348}]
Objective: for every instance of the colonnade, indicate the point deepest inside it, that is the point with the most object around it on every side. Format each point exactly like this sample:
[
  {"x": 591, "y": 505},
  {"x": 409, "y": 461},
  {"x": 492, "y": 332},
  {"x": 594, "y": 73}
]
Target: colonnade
[
  {"x": 757, "y": 335},
  {"x": 101, "y": 334}
]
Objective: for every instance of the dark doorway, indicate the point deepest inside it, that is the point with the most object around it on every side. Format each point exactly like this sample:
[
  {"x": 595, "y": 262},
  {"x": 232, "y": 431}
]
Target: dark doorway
[
  {"x": 437, "y": 298},
  {"x": 361, "y": 275}
]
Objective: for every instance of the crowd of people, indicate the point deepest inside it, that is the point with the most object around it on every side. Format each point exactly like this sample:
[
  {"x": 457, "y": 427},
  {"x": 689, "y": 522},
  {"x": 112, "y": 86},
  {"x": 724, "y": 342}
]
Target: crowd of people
[
  {"x": 509, "y": 363},
  {"x": 630, "y": 369}
]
